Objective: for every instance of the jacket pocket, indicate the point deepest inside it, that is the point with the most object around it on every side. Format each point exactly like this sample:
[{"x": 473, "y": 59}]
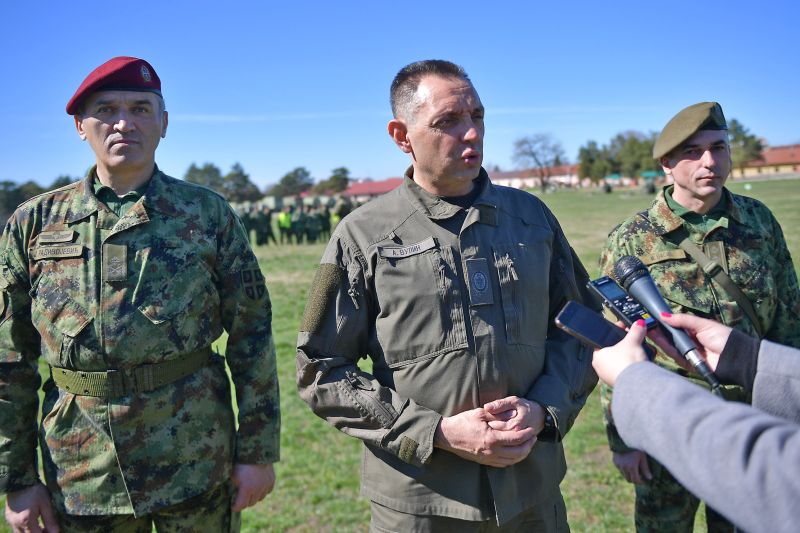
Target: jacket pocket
[
  {"x": 60, "y": 321},
  {"x": 178, "y": 297},
  {"x": 523, "y": 277},
  {"x": 683, "y": 285},
  {"x": 420, "y": 314},
  {"x": 15, "y": 329}
]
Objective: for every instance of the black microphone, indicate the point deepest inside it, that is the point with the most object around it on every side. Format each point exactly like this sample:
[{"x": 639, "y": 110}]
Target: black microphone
[{"x": 634, "y": 277}]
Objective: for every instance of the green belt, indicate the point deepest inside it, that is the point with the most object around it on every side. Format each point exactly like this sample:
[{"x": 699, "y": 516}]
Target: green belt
[{"x": 118, "y": 383}]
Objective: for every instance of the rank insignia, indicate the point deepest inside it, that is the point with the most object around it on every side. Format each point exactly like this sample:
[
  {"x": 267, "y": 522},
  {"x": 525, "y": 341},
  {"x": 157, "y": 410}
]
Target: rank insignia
[{"x": 115, "y": 262}]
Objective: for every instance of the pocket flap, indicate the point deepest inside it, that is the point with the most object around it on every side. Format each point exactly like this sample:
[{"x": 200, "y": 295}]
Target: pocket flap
[{"x": 69, "y": 317}]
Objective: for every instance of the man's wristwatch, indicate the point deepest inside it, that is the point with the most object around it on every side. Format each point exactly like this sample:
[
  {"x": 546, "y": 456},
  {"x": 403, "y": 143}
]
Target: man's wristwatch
[{"x": 550, "y": 431}]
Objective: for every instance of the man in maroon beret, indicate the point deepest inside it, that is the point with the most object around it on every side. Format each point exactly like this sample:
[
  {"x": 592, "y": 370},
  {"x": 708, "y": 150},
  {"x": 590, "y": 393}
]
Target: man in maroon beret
[{"x": 121, "y": 282}]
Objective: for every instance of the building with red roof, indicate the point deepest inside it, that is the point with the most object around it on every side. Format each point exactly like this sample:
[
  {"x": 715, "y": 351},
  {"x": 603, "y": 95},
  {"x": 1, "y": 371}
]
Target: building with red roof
[
  {"x": 774, "y": 160},
  {"x": 366, "y": 190},
  {"x": 530, "y": 178}
]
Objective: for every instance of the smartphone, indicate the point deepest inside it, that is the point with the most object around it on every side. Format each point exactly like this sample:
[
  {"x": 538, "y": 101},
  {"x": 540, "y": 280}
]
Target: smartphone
[
  {"x": 592, "y": 329},
  {"x": 587, "y": 326},
  {"x": 620, "y": 303}
]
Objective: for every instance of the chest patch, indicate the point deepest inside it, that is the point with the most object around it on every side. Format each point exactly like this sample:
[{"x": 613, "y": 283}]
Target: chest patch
[
  {"x": 393, "y": 252},
  {"x": 666, "y": 255},
  {"x": 57, "y": 251},
  {"x": 115, "y": 262},
  {"x": 47, "y": 237},
  {"x": 715, "y": 250},
  {"x": 480, "y": 287}
]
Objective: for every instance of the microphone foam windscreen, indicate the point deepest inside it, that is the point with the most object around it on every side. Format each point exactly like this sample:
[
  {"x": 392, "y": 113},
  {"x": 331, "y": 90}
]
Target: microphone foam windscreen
[{"x": 628, "y": 269}]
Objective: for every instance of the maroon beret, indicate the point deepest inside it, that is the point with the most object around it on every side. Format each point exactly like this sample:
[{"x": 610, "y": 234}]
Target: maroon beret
[{"x": 120, "y": 73}]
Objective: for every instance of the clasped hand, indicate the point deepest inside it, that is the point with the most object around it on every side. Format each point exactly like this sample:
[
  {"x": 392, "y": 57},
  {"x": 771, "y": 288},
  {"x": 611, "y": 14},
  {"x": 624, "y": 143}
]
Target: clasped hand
[{"x": 499, "y": 434}]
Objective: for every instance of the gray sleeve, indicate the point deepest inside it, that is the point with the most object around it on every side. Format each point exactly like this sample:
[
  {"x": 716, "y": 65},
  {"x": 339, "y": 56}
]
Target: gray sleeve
[
  {"x": 743, "y": 462},
  {"x": 776, "y": 389},
  {"x": 334, "y": 335}
]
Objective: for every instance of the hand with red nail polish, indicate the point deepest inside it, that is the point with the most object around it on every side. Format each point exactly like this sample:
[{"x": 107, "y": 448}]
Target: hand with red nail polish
[
  {"x": 610, "y": 362},
  {"x": 710, "y": 337}
]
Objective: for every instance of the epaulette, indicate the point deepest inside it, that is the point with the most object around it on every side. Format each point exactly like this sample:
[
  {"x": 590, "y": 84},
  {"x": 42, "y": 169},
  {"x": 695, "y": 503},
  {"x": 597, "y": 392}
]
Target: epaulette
[{"x": 54, "y": 191}]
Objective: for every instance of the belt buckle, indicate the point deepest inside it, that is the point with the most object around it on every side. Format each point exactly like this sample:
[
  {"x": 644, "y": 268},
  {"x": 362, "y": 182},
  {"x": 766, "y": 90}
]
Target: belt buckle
[
  {"x": 118, "y": 383},
  {"x": 144, "y": 378},
  {"x": 712, "y": 268}
]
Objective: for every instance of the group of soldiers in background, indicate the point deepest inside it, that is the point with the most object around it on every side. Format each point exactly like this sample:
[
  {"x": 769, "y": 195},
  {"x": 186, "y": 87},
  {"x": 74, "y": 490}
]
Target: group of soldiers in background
[{"x": 296, "y": 224}]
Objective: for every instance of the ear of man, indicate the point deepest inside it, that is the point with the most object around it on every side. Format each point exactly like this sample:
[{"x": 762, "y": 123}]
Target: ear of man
[
  {"x": 398, "y": 131},
  {"x": 164, "y": 123},
  {"x": 79, "y": 127}
]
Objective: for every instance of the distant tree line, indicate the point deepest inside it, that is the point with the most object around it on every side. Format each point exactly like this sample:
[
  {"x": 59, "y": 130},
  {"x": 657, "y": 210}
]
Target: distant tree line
[
  {"x": 629, "y": 153},
  {"x": 12, "y": 194},
  {"x": 236, "y": 186}
]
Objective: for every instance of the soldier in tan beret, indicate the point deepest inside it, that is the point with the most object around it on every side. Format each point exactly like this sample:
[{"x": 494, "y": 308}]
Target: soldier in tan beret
[{"x": 713, "y": 254}]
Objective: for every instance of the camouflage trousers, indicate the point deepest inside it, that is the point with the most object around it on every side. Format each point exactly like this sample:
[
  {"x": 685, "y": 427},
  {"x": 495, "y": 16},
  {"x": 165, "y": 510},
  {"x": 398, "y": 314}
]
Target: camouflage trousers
[
  {"x": 209, "y": 512},
  {"x": 663, "y": 505}
]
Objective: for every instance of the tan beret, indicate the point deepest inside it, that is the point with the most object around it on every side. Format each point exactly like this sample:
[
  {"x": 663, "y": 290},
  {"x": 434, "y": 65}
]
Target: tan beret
[{"x": 690, "y": 120}]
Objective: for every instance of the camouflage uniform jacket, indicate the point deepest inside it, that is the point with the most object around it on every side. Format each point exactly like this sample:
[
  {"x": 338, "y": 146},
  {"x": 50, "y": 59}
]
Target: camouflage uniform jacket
[
  {"x": 86, "y": 290},
  {"x": 392, "y": 286},
  {"x": 758, "y": 262}
]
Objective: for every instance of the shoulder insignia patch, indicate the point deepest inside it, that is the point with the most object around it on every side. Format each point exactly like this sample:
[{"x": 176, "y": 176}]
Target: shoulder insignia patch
[
  {"x": 253, "y": 283},
  {"x": 327, "y": 281}
]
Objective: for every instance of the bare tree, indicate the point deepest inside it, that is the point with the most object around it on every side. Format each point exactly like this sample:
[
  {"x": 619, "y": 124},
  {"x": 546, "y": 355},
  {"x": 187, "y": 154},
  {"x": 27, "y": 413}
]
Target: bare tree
[{"x": 540, "y": 151}]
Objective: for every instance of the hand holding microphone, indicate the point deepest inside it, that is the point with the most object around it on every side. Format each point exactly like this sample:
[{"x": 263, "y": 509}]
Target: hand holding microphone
[{"x": 634, "y": 277}]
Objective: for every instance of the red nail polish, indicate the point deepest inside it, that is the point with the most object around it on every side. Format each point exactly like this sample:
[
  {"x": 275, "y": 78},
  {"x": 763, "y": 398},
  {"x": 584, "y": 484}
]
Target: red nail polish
[
  {"x": 640, "y": 323},
  {"x": 666, "y": 314}
]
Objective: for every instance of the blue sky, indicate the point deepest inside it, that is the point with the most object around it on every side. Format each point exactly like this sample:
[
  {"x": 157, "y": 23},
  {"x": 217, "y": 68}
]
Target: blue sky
[{"x": 277, "y": 85}]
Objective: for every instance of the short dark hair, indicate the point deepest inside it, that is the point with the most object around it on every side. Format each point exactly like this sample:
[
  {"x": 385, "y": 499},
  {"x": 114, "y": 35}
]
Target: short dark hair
[{"x": 405, "y": 83}]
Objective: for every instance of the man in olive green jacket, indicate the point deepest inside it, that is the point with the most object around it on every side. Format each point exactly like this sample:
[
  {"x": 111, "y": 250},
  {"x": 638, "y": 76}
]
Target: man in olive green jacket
[{"x": 450, "y": 285}]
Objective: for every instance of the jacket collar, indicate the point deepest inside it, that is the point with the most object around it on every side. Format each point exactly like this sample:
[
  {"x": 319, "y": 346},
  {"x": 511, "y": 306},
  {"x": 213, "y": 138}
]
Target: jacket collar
[
  {"x": 156, "y": 197},
  {"x": 436, "y": 208},
  {"x": 664, "y": 220}
]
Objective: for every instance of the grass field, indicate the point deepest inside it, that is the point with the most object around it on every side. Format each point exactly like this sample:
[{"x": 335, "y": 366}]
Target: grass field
[{"x": 317, "y": 486}]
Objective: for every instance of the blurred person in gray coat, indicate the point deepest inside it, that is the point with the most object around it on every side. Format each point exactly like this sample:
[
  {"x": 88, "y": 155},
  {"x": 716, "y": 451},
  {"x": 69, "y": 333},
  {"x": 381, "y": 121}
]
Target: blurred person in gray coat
[{"x": 740, "y": 459}]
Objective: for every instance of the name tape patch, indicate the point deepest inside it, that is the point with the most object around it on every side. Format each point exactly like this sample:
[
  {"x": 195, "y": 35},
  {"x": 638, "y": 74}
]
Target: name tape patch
[
  {"x": 392, "y": 252},
  {"x": 56, "y": 236},
  {"x": 665, "y": 255},
  {"x": 60, "y": 250}
]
